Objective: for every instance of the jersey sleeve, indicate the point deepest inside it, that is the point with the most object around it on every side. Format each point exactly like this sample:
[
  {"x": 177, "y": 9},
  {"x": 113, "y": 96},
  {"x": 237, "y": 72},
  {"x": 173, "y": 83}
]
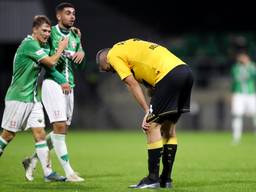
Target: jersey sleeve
[
  {"x": 78, "y": 40},
  {"x": 80, "y": 66},
  {"x": 56, "y": 75},
  {"x": 79, "y": 47},
  {"x": 34, "y": 51},
  {"x": 119, "y": 64}
]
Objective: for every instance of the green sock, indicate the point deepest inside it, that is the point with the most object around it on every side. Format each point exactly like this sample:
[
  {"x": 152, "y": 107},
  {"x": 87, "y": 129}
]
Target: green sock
[{"x": 3, "y": 143}]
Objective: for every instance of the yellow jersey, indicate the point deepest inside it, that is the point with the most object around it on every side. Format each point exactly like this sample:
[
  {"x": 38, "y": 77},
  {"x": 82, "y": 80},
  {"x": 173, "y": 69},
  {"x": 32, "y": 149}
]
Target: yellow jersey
[{"x": 148, "y": 62}]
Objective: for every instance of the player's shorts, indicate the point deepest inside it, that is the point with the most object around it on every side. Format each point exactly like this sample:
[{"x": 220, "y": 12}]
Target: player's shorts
[
  {"x": 243, "y": 104},
  {"x": 59, "y": 107},
  {"x": 19, "y": 116},
  {"x": 171, "y": 96}
]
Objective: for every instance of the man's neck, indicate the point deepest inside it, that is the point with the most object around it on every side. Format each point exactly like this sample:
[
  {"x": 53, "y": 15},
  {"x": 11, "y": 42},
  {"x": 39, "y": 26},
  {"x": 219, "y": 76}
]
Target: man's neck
[
  {"x": 63, "y": 29},
  {"x": 34, "y": 37}
]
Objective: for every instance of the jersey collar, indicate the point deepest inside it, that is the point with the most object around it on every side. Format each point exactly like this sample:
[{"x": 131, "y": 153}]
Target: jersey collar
[{"x": 59, "y": 31}]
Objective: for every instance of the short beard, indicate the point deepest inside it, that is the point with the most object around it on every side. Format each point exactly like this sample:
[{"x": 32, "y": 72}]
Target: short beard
[{"x": 67, "y": 26}]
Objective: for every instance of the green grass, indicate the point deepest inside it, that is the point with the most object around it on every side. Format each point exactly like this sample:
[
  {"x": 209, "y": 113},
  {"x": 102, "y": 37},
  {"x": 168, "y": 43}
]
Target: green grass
[{"x": 111, "y": 161}]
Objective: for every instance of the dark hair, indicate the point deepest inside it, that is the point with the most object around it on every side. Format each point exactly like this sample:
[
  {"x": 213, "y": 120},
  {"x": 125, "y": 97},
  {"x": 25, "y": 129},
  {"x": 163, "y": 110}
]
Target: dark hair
[
  {"x": 40, "y": 20},
  {"x": 63, "y": 5}
]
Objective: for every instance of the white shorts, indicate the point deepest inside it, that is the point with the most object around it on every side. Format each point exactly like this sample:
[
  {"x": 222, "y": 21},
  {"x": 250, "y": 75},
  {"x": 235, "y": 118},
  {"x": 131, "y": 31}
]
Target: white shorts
[
  {"x": 19, "y": 116},
  {"x": 59, "y": 107},
  {"x": 243, "y": 104}
]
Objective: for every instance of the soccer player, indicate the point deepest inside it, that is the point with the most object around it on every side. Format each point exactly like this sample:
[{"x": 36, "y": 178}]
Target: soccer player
[
  {"x": 59, "y": 101},
  {"x": 23, "y": 109},
  {"x": 243, "y": 93},
  {"x": 170, "y": 81}
]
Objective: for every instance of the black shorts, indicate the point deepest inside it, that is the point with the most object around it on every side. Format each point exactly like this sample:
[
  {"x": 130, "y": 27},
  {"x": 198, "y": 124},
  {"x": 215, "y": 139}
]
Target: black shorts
[{"x": 171, "y": 96}]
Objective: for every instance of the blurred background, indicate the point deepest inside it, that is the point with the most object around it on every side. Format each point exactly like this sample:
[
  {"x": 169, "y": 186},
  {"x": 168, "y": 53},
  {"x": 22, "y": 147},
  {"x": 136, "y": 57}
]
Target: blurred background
[{"x": 205, "y": 35}]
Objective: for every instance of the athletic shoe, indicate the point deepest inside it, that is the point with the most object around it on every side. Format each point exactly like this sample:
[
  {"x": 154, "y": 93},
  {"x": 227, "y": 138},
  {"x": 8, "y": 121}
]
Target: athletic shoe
[
  {"x": 146, "y": 183},
  {"x": 29, "y": 165},
  {"x": 74, "y": 178},
  {"x": 165, "y": 183},
  {"x": 54, "y": 177},
  {"x": 1, "y": 152}
]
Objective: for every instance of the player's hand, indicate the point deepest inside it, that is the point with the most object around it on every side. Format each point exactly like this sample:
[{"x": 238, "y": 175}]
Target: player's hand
[
  {"x": 78, "y": 57},
  {"x": 63, "y": 43},
  {"x": 77, "y": 31},
  {"x": 145, "y": 126},
  {"x": 66, "y": 89}
]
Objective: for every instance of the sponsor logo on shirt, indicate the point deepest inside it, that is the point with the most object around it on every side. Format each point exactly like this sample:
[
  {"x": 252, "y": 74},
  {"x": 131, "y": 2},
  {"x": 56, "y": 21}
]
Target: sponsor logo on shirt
[{"x": 40, "y": 52}]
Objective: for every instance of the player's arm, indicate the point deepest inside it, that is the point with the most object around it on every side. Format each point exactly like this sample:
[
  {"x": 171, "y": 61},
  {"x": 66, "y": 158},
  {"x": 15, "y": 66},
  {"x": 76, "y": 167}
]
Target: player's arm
[
  {"x": 138, "y": 94},
  {"x": 78, "y": 57},
  {"x": 55, "y": 75},
  {"x": 77, "y": 31},
  {"x": 136, "y": 91},
  {"x": 50, "y": 61},
  {"x": 59, "y": 78},
  {"x": 120, "y": 67}
]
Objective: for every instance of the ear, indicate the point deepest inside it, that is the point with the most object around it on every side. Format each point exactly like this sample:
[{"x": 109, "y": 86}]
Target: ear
[
  {"x": 58, "y": 16},
  {"x": 34, "y": 30},
  {"x": 105, "y": 59}
]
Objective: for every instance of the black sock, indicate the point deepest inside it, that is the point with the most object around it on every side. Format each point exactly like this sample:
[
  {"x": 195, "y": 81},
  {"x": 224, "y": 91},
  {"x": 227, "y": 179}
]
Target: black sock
[
  {"x": 154, "y": 156},
  {"x": 168, "y": 157}
]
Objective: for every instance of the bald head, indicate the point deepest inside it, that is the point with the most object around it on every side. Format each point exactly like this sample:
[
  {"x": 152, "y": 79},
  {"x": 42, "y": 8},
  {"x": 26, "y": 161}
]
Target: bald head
[{"x": 101, "y": 60}]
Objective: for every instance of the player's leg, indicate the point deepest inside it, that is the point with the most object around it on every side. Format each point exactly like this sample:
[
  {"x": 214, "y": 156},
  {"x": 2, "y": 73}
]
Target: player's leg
[
  {"x": 169, "y": 153},
  {"x": 5, "y": 138},
  {"x": 179, "y": 102},
  {"x": 155, "y": 146},
  {"x": 251, "y": 109},
  {"x": 238, "y": 110},
  {"x": 237, "y": 127},
  {"x": 43, "y": 155},
  {"x": 33, "y": 157},
  {"x": 30, "y": 163},
  {"x": 58, "y": 138},
  {"x": 15, "y": 115},
  {"x": 59, "y": 108},
  {"x": 36, "y": 123},
  {"x": 42, "y": 150}
]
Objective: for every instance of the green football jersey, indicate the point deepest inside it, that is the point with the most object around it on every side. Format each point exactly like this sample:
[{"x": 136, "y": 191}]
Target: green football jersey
[
  {"x": 243, "y": 78},
  {"x": 65, "y": 63},
  {"x": 26, "y": 69}
]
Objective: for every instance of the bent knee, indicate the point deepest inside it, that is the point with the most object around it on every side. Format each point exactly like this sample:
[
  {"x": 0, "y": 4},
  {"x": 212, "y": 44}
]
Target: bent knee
[
  {"x": 8, "y": 135},
  {"x": 59, "y": 127},
  {"x": 39, "y": 134}
]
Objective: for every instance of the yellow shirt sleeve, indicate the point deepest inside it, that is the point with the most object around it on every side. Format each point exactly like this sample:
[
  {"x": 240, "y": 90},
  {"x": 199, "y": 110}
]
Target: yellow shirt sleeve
[{"x": 119, "y": 64}]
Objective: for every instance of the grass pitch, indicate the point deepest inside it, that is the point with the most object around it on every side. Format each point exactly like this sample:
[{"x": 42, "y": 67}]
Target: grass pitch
[{"x": 111, "y": 161}]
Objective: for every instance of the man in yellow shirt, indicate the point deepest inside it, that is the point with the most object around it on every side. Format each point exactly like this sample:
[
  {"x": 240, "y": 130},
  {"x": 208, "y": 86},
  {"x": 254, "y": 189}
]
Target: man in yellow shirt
[{"x": 170, "y": 81}]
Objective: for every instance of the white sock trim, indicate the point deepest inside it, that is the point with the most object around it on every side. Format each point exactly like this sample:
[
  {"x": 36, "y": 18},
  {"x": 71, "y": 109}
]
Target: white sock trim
[
  {"x": 41, "y": 142},
  {"x": 3, "y": 140}
]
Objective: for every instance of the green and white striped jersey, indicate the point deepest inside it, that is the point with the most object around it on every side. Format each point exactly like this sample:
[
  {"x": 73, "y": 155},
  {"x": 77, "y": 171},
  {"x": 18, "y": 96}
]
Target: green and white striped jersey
[
  {"x": 243, "y": 78},
  {"x": 64, "y": 64},
  {"x": 26, "y": 70}
]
